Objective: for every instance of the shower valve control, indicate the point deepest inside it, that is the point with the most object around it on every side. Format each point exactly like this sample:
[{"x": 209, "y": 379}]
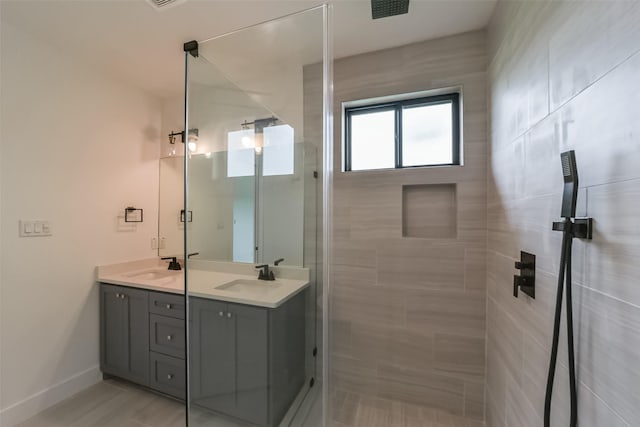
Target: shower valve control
[{"x": 526, "y": 281}]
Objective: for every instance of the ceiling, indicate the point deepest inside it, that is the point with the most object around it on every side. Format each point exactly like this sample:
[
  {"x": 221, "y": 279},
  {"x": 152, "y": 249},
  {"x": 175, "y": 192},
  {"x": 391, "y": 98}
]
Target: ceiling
[{"x": 143, "y": 46}]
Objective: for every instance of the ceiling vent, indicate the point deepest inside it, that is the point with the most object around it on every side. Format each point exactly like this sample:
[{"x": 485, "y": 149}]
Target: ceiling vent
[
  {"x": 384, "y": 8},
  {"x": 163, "y": 4}
]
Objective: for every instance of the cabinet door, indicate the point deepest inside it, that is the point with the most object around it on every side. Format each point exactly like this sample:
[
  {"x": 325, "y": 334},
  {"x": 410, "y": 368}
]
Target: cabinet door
[
  {"x": 124, "y": 333},
  {"x": 136, "y": 312},
  {"x": 212, "y": 355},
  {"x": 113, "y": 340},
  {"x": 251, "y": 325}
]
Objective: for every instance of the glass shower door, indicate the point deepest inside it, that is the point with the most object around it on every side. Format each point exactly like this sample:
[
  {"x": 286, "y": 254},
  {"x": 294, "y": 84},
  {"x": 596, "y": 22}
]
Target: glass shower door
[{"x": 255, "y": 120}]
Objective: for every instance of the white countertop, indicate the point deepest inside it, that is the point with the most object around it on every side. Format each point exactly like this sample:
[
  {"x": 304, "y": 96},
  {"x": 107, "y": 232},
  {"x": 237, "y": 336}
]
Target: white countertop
[{"x": 204, "y": 279}]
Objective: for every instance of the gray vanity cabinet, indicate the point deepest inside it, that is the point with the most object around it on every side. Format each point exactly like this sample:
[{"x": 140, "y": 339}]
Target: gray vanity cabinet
[
  {"x": 229, "y": 358},
  {"x": 124, "y": 332},
  {"x": 247, "y": 361}
]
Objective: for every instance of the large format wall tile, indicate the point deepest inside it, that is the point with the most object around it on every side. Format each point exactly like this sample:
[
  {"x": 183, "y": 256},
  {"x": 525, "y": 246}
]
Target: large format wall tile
[
  {"x": 446, "y": 311},
  {"x": 608, "y": 350},
  {"x": 408, "y": 290},
  {"x": 589, "y": 40},
  {"x": 591, "y": 51},
  {"x": 416, "y": 263},
  {"x": 601, "y": 125},
  {"x": 611, "y": 260}
]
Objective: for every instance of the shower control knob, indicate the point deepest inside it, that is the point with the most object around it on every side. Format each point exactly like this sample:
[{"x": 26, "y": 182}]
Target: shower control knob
[
  {"x": 526, "y": 280},
  {"x": 522, "y": 265}
]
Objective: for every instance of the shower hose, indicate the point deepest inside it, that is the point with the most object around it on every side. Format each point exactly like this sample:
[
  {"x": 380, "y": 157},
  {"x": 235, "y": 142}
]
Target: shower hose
[{"x": 565, "y": 272}]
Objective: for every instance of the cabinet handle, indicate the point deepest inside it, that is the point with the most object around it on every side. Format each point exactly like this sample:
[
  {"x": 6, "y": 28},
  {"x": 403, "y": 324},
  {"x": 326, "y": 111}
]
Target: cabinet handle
[
  {"x": 221, "y": 314},
  {"x": 117, "y": 295},
  {"x": 123, "y": 296},
  {"x": 229, "y": 315},
  {"x": 168, "y": 306},
  {"x": 170, "y": 376},
  {"x": 169, "y": 337}
]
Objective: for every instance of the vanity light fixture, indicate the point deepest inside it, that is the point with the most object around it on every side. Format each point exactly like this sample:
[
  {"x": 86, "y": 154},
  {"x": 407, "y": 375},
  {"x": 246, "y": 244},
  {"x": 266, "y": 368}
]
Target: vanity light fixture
[
  {"x": 192, "y": 140},
  {"x": 258, "y": 140},
  {"x": 247, "y": 141}
]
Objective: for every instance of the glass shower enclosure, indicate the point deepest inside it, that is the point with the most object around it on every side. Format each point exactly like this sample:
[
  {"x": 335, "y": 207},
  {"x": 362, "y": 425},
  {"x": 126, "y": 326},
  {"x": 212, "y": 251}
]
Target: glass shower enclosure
[{"x": 255, "y": 136}]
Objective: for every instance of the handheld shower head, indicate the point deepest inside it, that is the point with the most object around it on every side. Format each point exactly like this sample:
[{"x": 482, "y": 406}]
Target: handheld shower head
[{"x": 570, "y": 192}]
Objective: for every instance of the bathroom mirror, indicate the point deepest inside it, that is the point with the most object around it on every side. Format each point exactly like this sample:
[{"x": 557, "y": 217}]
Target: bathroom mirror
[
  {"x": 228, "y": 217},
  {"x": 247, "y": 174}
]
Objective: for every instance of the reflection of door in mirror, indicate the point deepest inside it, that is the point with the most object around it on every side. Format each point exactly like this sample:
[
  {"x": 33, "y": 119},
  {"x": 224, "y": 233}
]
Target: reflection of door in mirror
[
  {"x": 243, "y": 220},
  {"x": 224, "y": 221},
  {"x": 281, "y": 198},
  {"x": 170, "y": 227},
  {"x": 218, "y": 202}
]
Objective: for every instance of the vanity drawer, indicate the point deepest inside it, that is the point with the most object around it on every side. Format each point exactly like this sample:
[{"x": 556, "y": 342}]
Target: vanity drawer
[
  {"x": 166, "y": 304},
  {"x": 166, "y": 335},
  {"x": 167, "y": 374}
]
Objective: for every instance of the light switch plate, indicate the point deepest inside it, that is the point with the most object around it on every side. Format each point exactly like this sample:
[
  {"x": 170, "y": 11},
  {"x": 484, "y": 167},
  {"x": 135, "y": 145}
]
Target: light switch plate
[{"x": 34, "y": 228}]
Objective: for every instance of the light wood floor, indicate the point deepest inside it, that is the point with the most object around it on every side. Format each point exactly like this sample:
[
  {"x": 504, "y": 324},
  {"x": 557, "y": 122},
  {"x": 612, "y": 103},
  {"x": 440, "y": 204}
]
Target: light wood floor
[{"x": 113, "y": 403}]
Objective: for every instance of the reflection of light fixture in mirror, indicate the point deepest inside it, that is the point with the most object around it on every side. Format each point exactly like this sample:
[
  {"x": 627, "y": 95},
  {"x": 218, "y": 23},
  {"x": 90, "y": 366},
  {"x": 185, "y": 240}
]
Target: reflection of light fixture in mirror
[
  {"x": 257, "y": 142},
  {"x": 247, "y": 141},
  {"x": 193, "y": 139}
]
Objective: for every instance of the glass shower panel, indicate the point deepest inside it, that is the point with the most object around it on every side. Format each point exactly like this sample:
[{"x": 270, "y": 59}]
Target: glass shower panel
[{"x": 255, "y": 97}]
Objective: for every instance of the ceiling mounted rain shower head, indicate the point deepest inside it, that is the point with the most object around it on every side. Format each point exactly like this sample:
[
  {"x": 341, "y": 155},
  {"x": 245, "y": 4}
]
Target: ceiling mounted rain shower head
[
  {"x": 385, "y": 8},
  {"x": 163, "y": 4}
]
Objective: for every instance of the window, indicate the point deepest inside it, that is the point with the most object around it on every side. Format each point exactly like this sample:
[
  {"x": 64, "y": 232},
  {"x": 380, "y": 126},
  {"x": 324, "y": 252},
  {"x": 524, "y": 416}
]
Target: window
[
  {"x": 277, "y": 157},
  {"x": 275, "y": 144},
  {"x": 401, "y": 134},
  {"x": 240, "y": 154}
]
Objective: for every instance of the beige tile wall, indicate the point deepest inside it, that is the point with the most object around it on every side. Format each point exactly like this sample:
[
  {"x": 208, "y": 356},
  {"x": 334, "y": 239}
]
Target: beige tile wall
[
  {"x": 407, "y": 321},
  {"x": 564, "y": 75}
]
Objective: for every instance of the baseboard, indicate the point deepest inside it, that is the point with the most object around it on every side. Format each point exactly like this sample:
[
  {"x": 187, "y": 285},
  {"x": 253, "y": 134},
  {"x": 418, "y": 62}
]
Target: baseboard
[
  {"x": 305, "y": 415},
  {"x": 32, "y": 405}
]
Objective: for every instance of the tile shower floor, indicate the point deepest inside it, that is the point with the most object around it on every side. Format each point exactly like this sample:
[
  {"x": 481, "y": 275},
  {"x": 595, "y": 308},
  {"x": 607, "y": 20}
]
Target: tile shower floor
[{"x": 352, "y": 410}]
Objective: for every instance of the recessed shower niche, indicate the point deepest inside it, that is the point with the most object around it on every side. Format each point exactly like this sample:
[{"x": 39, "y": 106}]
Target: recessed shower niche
[{"x": 429, "y": 211}]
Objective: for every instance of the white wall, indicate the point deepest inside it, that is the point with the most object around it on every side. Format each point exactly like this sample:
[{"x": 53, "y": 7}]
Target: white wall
[{"x": 77, "y": 147}]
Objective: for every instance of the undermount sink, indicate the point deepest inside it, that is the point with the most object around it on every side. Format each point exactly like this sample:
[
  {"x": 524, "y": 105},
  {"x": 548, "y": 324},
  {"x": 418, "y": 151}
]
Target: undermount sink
[
  {"x": 154, "y": 274},
  {"x": 255, "y": 287}
]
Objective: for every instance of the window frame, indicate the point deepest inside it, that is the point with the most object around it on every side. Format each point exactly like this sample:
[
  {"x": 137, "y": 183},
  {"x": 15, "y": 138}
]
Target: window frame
[{"x": 397, "y": 106}]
